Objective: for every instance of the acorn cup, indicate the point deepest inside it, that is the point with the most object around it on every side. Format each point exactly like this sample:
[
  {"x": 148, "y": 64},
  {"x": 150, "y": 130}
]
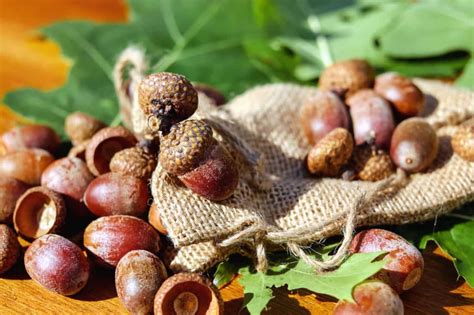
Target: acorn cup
[{"x": 191, "y": 153}]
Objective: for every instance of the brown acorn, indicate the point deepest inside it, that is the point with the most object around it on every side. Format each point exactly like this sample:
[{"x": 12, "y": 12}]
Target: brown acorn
[
  {"x": 26, "y": 165},
  {"x": 372, "y": 165},
  {"x": 167, "y": 98},
  {"x": 328, "y": 156},
  {"x": 10, "y": 249},
  {"x": 191, "y": 153},
  {"x": 31, "y": 137},
  {"x": 404, "y": 95},
  {"x": 80, "y": 127},
  {"x": 322, "y": 113},
  {"x": 133, "y": 161},
  {"x": 463, "y": 140},
  {"x": 347, "y": 77}
]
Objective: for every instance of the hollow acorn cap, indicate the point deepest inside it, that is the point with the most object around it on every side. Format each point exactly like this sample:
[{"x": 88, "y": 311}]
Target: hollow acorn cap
[
  {"x": 167, "y": 94},
  {"x": 38, "y": 212},
  {"x": 188, "y": 293},
  {"x": 185, "y": 145},
  {"x": 103, "y": 146},
  {"x": 133, "y": 162}
]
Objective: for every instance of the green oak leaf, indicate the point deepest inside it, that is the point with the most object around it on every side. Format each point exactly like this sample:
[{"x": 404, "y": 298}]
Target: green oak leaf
[
  {"x": 467, "y": 77},
  {"x": 296, "y": 274}
]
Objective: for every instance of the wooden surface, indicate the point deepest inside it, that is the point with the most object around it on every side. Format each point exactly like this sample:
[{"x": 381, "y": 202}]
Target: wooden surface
[{"x": 27, "y": 59}]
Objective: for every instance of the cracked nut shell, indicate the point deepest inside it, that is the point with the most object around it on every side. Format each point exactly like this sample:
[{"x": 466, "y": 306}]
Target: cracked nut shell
[
  {"x": 39, "y": 211},
  {"x": 103, "y": 146},
  {"x": 188, "y": 293},
  {"x": 347, "y": 77},
  {"x": 10, "y": 249},
  {"x": 328, "y": 156},
  {"x": 134, "y": 162},
  {"x": 57, "y": 264}
]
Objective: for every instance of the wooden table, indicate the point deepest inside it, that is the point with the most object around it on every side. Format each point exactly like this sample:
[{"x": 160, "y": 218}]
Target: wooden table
[{"x": 27, "y": 59}]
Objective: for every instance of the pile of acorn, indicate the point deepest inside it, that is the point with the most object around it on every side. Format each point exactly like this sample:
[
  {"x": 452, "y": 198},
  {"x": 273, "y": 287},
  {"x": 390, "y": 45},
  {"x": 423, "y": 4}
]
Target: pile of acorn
[
  {"x": 91, "y": 207},
  {"x": 381, "y": 113}
]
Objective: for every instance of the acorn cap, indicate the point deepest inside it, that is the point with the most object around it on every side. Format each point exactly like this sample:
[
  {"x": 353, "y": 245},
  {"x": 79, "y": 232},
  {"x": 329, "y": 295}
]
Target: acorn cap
[
  {"x": 188, "y": 293},
  {"x": 463, "y": 140},
  {"x": 133, "y": 161},
  {"x": 347, "y": 77},
  {"x": 333, "y": 151},
  {"x": 167, "y": 94},
  {"x": 183, "y": 148},
  {"x": 372, "y": 165}
]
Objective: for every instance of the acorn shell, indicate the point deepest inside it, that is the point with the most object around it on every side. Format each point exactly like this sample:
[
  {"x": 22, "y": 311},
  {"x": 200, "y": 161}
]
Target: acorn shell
[
  {"x": 167, "y": 93},
  {"x": 333, "y": 151},
  {"x": 183, "y": 148},
  {"x": 134, "y": 162},
  {"x": 347, "y": 77},
  {"x": 463, "y": 140}
]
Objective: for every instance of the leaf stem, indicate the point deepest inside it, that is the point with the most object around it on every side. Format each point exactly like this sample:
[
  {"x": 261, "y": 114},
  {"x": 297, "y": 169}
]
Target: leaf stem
[
  {"x": 460, "y": 216},
  {"x": 116, "y": 121}
]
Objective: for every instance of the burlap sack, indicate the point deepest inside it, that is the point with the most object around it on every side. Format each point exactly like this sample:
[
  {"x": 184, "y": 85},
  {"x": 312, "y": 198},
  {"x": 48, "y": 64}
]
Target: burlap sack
[{"x": 278, "y": 205}]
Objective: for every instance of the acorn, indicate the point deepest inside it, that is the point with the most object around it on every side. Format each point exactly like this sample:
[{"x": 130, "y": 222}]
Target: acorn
[
  {"x": 80, "y": 127},
  {"x": 191, "y": 153},
  {"x": 103, "y": 146},
  {"x": 31, "y": 137},
  {"x": 154, "y": 219},
  {"x": 371, "y": 164},
  {"x": 414, "y": 145},
  {"x": 26, "y": 165},
  {"x": 372, "y": 118},
  {"x": 135, "y": 162},
  {"x": 322, "y": 113},
  {"x": 166, "y": 98},
  {"x": 347, "y": 77},
  {"x": 401, "y": 92},
  {"x": 188, "y": 293},
  {"x": 463, "y": 140},
  {"x": 10, "y": 249},
  {"x": 328, "y": 156},
  {"x": 11, "y": 190}
]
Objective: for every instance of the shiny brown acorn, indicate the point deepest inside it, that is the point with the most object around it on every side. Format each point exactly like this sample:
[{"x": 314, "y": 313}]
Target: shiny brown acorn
[
  {"x": 191, "y": 153},
  {"x": 347, "y": 77},
  {"x": 372, "y": 119},
  {"x": 135, "y": 162},
  {"x": 401, "y": 92},
  {"x": 463, "y": 140},
  {"x": 11, "y": 190},
  {"x": 327, "y": 157},
  {"x": 414, "y": 145},
  {"x": 26, "y": 165},
  {"x": 166, "y": 98},
  {"x": 31, "y": 137},
  {"x": 322, "y": 113}
]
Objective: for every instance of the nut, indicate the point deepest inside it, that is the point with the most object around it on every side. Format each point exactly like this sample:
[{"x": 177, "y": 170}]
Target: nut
[
  {"x": 138, "y": 276},
  {"x": 405, "y": 262},
  {"x": 11, "y": 190},
  {"x": 372, "y": 165},
  {"x": 371, "y": 297},
  {"x": 113, "y": 193},
  {"x": 347, "y": 77},
  {"x": 188, "y": 293},
  {"x": 463, "y": 140},
  {"x": 414, "y": 145},
  {"x": 134, "y": 162},
  {"x": 110, "y": 238},
  {"x": 69, "y": 177},
  {"x": 57, "y": 264},
  {"x": 103, "y": 146},
  {"x": 190, "y": 152},
  {"x": 26, "y": 165},
  {"x": 405, "y": 96},
  {"x": 31, "y": 137},
  {"x": 80, "y": 127},
  {"x": 372, "y": 119},
  {"x": 10, "y": 249},
  {"x": 322, "y": 113},
  {"x": 328, "y": 156},
  {"x": 38, "y": 212},
  {"x": 155, "y": 220},
  {"x": 214, "y": 94},
  {"x": 168, "y": 97}
]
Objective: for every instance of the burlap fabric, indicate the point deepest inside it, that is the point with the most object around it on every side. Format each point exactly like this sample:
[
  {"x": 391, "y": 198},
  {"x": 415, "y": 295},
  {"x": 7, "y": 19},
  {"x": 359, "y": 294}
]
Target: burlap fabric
[{"x": 277, "y": 204}]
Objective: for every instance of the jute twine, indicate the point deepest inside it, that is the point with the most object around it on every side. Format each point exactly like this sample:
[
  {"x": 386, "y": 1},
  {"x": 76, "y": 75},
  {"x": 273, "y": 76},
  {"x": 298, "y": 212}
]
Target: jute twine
[{"x": 277, "y": 205}]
